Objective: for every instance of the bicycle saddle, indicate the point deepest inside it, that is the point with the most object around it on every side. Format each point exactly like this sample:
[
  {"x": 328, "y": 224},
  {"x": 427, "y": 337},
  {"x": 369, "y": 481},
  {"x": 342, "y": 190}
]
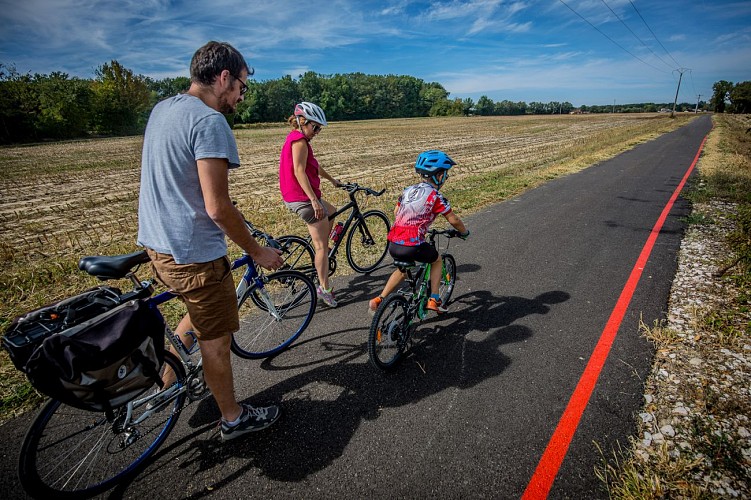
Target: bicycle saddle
[
  {"x": 404, "y": 263},
  {"x": 112, "y": 267}
]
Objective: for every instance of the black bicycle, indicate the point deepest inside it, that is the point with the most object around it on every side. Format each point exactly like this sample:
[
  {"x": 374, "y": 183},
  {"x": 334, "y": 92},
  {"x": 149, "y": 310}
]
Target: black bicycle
[
  {"x": 398, "y": 315},
  {"x": 366, "y": 238}
]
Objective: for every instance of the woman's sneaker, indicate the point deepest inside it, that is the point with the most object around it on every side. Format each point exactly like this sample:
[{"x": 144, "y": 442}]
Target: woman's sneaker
[
  {"x": 327, "y": 296},
  {"x": 251, "y": 419}
]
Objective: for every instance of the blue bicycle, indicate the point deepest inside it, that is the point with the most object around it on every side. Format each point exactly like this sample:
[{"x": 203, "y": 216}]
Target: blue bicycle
[{"x": 70, "y": 452}]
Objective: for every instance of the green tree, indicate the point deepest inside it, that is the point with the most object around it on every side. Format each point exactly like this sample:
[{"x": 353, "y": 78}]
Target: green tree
[
  {"x": 168, "y": 87},
  {"x": 485, "y": 106},
  {"x": 721, "y": 93},
  {"x": 120, "y": 100},
  {"x": 18, "y": 106},
  {"x": 740, "y": 98},
  {"x": 310, "y": 86},
  {"x": 64, "y": 106},
  {"x": 281, "y": 97}
]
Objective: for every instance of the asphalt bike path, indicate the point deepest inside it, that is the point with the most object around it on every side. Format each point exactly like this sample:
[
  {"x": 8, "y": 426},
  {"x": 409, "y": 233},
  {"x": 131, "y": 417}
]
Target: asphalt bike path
[{"x": 538, "y": 360}]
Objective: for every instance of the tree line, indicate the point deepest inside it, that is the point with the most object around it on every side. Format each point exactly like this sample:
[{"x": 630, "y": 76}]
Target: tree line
[
  {"x": 731, "y": 98},
  {"x": 117, "y": 101}
]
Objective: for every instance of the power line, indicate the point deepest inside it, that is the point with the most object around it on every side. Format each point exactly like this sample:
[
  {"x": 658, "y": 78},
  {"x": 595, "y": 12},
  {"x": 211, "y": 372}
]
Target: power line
[
  {"x": 616, "y": 43},
  {"x": 635, "y": 35},
  {"x": 653, "y": 34}
]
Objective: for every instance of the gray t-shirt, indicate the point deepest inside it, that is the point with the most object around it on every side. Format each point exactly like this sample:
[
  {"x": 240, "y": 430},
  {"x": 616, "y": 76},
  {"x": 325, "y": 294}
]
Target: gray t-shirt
[{"x": 172, "y": 217}]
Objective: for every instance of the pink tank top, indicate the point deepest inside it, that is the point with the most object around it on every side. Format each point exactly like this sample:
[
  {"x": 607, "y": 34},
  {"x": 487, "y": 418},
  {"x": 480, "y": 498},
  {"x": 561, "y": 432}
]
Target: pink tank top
[{"x": 288, "y": 185}]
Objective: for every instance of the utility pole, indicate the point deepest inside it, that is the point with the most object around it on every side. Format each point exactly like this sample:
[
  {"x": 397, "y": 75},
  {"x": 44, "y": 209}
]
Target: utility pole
[
  {"x": 681, "y": 71},
  {"x": 613, "y": 106},
  {"x": 698, "y": 99}
]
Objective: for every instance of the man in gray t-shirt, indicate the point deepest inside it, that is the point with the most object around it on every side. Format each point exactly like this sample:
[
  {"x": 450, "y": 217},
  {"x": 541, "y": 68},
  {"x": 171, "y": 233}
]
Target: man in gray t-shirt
[{"x": 185, "y": 212}]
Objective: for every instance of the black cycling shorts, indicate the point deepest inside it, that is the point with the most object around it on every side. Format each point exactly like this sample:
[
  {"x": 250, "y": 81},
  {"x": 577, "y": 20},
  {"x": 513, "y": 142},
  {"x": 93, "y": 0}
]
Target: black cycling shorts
[{"x": 424, "y": 252}]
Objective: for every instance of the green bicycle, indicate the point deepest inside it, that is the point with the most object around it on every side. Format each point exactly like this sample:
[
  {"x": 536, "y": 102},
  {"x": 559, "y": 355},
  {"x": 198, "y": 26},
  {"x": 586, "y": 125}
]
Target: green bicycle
[{"x": 398, "y": 315}]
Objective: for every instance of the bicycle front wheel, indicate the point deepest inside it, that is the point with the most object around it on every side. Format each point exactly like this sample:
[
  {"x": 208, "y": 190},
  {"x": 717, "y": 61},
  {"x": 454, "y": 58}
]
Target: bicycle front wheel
[
  {"x": 367, "y": 241},
  {"x": 448, "y": 278},
  {"x": 389, "y": 332},
  {"x": 273, "y": 315},
  {"x": 298, "y": 254},
  {"x": 73, "y": 453}
]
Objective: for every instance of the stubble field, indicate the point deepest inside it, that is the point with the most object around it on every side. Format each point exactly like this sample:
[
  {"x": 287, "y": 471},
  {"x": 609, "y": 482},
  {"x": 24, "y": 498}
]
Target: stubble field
[{"x": 60, "y": 201}]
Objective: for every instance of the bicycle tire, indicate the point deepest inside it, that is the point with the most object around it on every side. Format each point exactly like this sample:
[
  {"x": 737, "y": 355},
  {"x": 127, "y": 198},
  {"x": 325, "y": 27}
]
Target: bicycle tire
[
  {"x": 298, "y": 254},
  {"x": 367, "y": 241},
  {"x": 448, "y": 278},
  {"x": 74, "y": 453},
  {"x": 262, "y": 334},
  {"x": 389, "y": 332}
]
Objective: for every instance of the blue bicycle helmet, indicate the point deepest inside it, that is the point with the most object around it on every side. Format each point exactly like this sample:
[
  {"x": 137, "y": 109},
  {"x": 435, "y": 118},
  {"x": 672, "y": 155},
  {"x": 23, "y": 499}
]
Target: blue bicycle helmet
[{"x": 431, "y": 164}]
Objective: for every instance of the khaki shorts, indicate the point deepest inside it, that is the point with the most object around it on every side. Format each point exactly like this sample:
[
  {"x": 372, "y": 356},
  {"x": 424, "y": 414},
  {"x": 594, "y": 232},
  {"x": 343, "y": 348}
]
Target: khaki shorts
[
  {"x": 206, "y": 288},
  {"x": 305, "y": 210}
]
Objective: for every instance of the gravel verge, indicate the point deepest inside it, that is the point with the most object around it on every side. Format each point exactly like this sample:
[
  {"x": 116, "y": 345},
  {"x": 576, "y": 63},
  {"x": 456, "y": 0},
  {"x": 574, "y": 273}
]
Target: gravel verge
[{"x": 694, "y": 429}]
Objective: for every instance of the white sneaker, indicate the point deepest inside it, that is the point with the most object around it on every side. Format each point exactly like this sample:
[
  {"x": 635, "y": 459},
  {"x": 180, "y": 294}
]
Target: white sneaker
[{"x": 327, "y": 296}]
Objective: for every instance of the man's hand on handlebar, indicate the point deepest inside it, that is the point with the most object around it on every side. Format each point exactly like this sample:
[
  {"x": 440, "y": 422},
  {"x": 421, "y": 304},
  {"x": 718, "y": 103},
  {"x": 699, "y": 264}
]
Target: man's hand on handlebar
[{"x": 268, "y": 258}]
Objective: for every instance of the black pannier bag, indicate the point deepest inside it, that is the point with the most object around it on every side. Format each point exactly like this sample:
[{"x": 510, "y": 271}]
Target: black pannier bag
[
  {"x": 100, "y": 363},
  {"x": 29, "y": 330}
]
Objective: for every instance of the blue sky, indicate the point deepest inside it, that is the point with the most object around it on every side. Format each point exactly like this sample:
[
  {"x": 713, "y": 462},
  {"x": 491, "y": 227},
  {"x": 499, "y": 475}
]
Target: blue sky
[{"x": 521, "y": 50}]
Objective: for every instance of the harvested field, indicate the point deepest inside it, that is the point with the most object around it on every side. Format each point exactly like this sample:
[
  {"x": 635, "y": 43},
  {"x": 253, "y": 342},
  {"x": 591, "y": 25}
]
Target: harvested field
[
  {"x": 59, "y": 201},
  {"x": 79, "y": 195}
]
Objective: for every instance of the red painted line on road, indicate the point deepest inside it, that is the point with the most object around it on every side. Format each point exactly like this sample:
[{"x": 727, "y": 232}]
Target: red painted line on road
[{"x": 547, "y": 469}]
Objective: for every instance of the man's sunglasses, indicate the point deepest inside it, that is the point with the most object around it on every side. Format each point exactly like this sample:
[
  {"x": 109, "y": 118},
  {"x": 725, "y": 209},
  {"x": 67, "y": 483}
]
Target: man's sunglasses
[{"x": 244, "y": 87}]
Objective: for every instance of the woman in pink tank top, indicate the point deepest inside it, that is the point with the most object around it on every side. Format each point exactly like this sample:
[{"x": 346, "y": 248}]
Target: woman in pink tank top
[{"x": 300, "y": 185}]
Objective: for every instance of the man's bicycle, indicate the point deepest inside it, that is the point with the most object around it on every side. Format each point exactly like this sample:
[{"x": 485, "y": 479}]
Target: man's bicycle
[
  {"x": 70, "y": 452},
  {"x": 366, "y": 239},
  {"x": 398, "y": 315}
]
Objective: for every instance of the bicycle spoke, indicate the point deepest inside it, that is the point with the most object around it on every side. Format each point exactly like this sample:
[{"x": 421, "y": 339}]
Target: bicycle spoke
[
  {"x": 73, "y": 451},
  {"x": 367, "y": 241},
  {"x": 271, "y": 318}
]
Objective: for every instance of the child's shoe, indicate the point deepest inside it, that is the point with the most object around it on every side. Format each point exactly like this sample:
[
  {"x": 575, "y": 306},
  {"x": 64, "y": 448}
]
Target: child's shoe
[
  {"x": 435, "y": 305},
  {"x": 373, "y": 305}
]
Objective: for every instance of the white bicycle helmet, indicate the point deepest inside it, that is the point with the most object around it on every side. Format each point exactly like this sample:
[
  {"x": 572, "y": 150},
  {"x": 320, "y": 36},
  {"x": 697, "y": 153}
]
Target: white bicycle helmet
[{"x": 311, "y": 112}]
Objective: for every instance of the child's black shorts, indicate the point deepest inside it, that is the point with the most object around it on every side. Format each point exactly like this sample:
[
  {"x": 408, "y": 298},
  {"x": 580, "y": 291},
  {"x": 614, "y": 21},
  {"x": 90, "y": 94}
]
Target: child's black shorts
[{"x": 424, "y": 252}]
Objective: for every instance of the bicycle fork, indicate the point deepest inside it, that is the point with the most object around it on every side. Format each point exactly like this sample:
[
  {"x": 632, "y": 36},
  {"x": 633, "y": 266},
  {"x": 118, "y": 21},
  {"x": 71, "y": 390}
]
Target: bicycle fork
[{"x": 244, "y": 285}]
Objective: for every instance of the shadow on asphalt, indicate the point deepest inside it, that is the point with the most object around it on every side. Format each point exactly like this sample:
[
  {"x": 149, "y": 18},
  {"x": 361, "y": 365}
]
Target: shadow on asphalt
[{"x": 326, "y": 403}]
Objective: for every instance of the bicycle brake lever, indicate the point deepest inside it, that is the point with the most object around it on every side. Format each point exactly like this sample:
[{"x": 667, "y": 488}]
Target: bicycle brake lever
[{"x": 272, "y": 242}]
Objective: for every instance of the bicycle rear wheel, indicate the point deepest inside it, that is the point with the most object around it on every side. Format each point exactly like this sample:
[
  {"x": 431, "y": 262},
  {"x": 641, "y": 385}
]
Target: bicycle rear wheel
[
  {"x": 274, "y": 315},
  {"x": 72, "y": 453},
  {"x": 389, "y": 332},
  {"x": 367, "y": 241},
  {"x": 298, "y": 254},
  {"x": 448, "y": 278}
]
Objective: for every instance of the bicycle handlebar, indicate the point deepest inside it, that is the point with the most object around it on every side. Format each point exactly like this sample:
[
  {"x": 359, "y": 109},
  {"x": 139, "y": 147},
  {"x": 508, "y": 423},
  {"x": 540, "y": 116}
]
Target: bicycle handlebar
[
  {"x": 449, "y": 233},
  {"x": 257, "y": 233},
  {"x": 353, "y": 187}
]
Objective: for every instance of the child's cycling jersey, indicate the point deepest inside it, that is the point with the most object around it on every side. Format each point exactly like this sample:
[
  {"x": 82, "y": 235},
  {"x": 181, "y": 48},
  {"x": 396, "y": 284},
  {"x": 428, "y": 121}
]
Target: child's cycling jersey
[{"x": 416, "y": 210}]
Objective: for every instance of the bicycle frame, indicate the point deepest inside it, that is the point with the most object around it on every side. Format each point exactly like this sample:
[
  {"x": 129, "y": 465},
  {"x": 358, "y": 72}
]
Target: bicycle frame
[
  {"x": 419, "y": 283},
  {"x": 251, "y": 277},
  {"x": 354, "y": 214}
]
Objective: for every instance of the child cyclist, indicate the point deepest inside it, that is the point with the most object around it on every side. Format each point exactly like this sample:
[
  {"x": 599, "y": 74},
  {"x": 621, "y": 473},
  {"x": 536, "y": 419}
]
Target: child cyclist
[{"x": 415, "y": 211}]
